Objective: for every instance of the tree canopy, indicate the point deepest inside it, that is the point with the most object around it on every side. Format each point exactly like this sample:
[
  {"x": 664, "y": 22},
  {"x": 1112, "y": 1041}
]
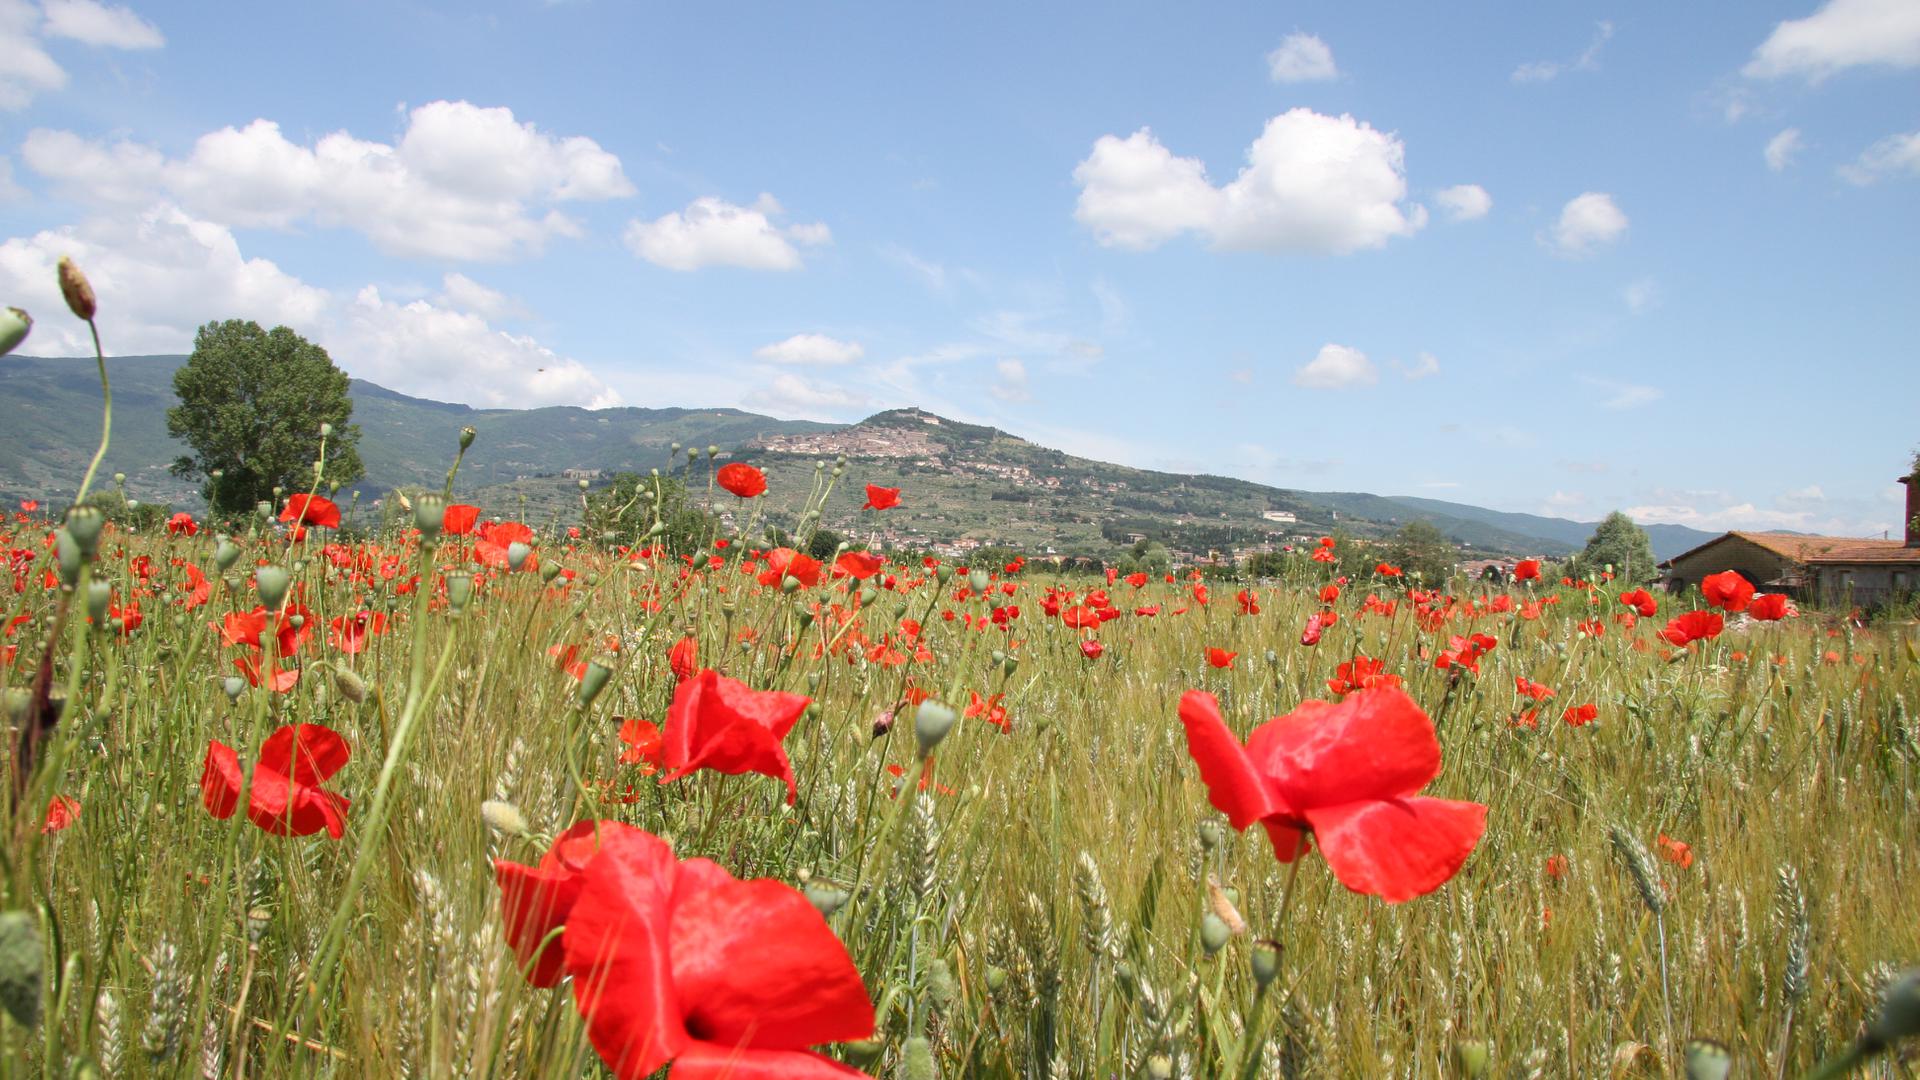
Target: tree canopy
[
  {"x": 252, "y": 403},
  {"x": 1619, "y": 543},
  {"x": 1419, "y": 547},
  {"x": 625, "y": 510}
]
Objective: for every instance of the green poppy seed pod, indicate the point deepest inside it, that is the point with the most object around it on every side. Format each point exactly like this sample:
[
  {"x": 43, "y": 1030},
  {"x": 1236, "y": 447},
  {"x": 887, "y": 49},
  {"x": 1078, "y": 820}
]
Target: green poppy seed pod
[
  {"x": 76, "y": 290},
  {"x": 517, "y": 553},
  {"x": 997, "y": 657},
  {"x": 805, "y": 618},
  {"x": 789, "y": 584},
  {"x": 931, "y": 723},
  {"x": 1900, "y": 1012},
  {"x": 233, "y": 686},
  {"x": 503, "y": 817},
  {"x": 1009, "y": 665},
  {"x": 14, "y": 327},
  {"x": 996, "y": 979},
  {"x": 326, "y": 430},
  {"x": 22, "y": 959},
  {"x": 1265, "y": 962},
  {"x": 1160, "y": 1067},
  {"x": 120, "y": 478},
  {"x": 225, "y": 554},
  {"x": 1471, "y": 1059},
  {"x": 593, "y": 578},
  {"x": 99, "y": 593},
  {"x": 594, "y": 681},
  {"x": 265, "y": 508},
  {"x": 86, "y": 523},
  {"x": 271, "y": 583},
  {"x": 466, "y": 437},
  {"x": 826, "y": 897},
  {"x": 66, "y": 551},
  {"x": 916, "y": 1060},
  {"x": 17, "y": 700},
  {"x": 942, "y": 988},
  {"x": 1272, "y": 657},
  {"x": 549, "y": 571},
  {"x": 943, "y": 574},
  {"x": 351, "y": 686},
  {"x": 978, "y": 581},
  {"x": 673, "y": 448},
  {"x": 1214, "y": 933},
  {"x": 713, "y": 451},
  {"x": 459, "y": 591},
  {"x": 1210, "y": 835},
  {"x": 863, "y": 1052},
  {"x": 868, "y": 594},
  {"x": 430, "y": 515},
  {"x": 583, "y": 484},
  {"x": 813, "y": 681}
]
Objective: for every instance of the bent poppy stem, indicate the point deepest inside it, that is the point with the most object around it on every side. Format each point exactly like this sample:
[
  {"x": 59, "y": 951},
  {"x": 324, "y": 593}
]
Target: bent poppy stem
[{"x": 1286, "y": 891}]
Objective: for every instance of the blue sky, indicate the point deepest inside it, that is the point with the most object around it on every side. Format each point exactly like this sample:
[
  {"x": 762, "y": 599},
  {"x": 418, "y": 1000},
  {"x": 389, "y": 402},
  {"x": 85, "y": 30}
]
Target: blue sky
[{"x": 1527, "y": 257}]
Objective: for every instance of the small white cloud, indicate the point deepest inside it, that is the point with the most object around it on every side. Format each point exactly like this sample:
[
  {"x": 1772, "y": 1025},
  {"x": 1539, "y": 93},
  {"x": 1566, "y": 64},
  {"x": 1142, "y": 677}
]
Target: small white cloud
[
  {"x": 1336, "y": 367},
  {"x": 1548, "y": 70},
  {"x": 1312, "y": 184},
  {"x": 1841, "y": 35},
  {"x": 1564, "y": 500},
  {"x": 1782, "y": 148},
  {"x": 1424, "y": 366},
  {"x": 1893, "y": 156},
  {"x": 933, "y": 273},
  {"x": 1619, "y": 395},
  {"x": 462, "y": 293},
  {"x": 1464, "y": 202},
  {"x": 1588, "y": 222},
  {"x": 111, "y": 26},
  {"x": 814, "y": 349},
  {"x": 1301, "y": 58},
  {"x": 26, "y": 70},
  {"x": 1011, "y": 384},
  {"x": 788, "y": 394},
  {"x": 714, "y": 232},
  {"x": 1641, "y": 296}
]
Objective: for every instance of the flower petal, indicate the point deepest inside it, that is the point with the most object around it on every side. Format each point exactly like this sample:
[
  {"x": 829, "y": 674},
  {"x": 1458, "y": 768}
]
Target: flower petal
[
  {"x": 707, "y": 1061},
  {"x": 304, "y": 753},
  {"x": 1376, "y": 744},
  {"x": 1234, "y": 785},
  {"x": 221, "y": 781},
  {"x": 1397, "y": 849},
  {"x": 617, "y": 952}
]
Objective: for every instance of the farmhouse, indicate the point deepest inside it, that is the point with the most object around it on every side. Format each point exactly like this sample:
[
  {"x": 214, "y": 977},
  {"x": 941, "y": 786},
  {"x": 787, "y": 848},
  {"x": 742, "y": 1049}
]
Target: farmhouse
[{"x": 1826, "y": 569}]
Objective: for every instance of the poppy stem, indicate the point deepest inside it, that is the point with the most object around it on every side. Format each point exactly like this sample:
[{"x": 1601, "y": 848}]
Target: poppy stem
[{"x": 106, "y": 417}]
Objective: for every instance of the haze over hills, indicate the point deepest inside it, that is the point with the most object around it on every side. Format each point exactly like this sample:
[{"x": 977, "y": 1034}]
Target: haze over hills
[{"x": 964, "y": 483}]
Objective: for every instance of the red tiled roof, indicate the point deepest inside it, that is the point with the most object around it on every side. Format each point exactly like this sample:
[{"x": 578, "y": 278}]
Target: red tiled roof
[{"x": 1821, "y": 550}]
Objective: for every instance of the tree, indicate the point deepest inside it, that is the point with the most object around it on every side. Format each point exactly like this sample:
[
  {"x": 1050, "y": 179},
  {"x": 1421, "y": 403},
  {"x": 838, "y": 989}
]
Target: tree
[
  {"x": 252, "y": 403},
  {"x": 623, "y": 512},
  {"x": 1420, "y": 547},
  {"x": 1619, "y": 543}
]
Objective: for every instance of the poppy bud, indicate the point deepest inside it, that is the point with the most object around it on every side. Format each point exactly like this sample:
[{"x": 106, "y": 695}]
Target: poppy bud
[
  {"x": 271, "y": 582},
  {"x": 943, "y": 574},
  {"x": 75, "y": 288},
  {"x": 98, "y": 594},
  {"x": 594, "y": 681},
  {"x": 826, "y": 897},
  {"x": 225, "y": 554},
  {"x": 789, "y": 584},
  {"x": 1214, "y": 933},
  {"x": 1899, "y": 1012},
  {"x": 67, "y": 552},
  {"x": 517, "y": 553},
  {"x": 503, "y": 817},
  {"x": 459, "y": 591},
  {"x": 22, "y": 959},
  {"x": 1471, "y": 1059},
  {"x": 1707, "y": 1060},
  {"x": 85, "y": 523},
  {"x": 931, "y": 722},
  {"x": 1265, "y": 962},
  {"x": 351, "y": 686},
  {"x": 978, "y": 580},
  {"x": 14, "y": 326},
  {"x": 1160, "y": 1067},
  {"x": 1209, "y": 835},
  {"x": 234, "y": 686},
  {"x": 863, "y": 1052},
  {"x": 996, "y": 979},
  {"x": 868, "y": 594},
  {"x": 916, "y": 1060},
  {"x": 882, "y": 722},
  {"x": 430, "y": 515},
  {"x": 466, "y": 437},
  {"x": 584, "y": 485},
  {"x": 549, "y": 571}
]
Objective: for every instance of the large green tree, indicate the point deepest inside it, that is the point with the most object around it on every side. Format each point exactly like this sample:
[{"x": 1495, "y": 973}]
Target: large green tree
[
  {"x": 624, "y": 512},
  {"x": 1419, "y": 546},
  {"x": 1619, "y": 543},
  {"x": 252, "y": 403}
]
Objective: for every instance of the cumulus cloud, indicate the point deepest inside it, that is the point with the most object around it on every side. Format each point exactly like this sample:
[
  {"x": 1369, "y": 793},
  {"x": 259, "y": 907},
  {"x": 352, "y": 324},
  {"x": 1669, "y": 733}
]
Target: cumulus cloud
[
  {"x": 463, "y": 182},
  {"x": 1312, "y": 184},
  {"x": 1781, "y": 149},
  {"x": 1841, "y": 35},
  {"x": 714, "y": 232},
  {"x": 816, "y": 349},
  {"x": 1301, "y": 58},
  {"x": 1548, "y": 70},
  {"x": 1464, "y": 202},
  {"x": 1587, "y": 223},
  {"x": 1893, "y": 156},
  {"x": 788, "y": 394},
  {"x": 462, "y": 293},
  {"x": 1336, "y": 367},
  {"x": 161, "y": 273},
  {"x": 26, "y": 70},
  {"x": 111, "y": 26},
  {"x": 1010, "y": 383}
]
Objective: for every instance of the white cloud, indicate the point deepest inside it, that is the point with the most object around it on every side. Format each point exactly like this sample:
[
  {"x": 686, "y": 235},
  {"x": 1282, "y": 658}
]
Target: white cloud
[
  {"x": 714, "y": 232},
  {"x": 1619, "y": 395},
  {"x": 788, "y": 394},
  {"x": 1425, "y": 366},
  {"x": 1782, "y": 148},
  {"x": 817, "y": 349},
  {"x": 1301, "y": 58},
  {"x": 462, "y": 293},
  {"x": 25, "y": 68},
  {"x": 162, "y": 273},
  {"x": 1588, "y": 222},
  {"x": 108, "y": 25},
  {"x": 1336, "y": 367},
  {"x": 463, "y": 182},
  {"x": 933, "y": 273},
  {"x": 1842, "y": 34},
  {"x": 1892, "y": 156},
  {"x": 1548, "y": 70},
  {"x": 1641, "y": 296},
  {"x": 1011, "y": 384},
  {"x": 1561, "y": 501},
  {"x": 1312, "y": 184},
  {"x": 1464, "y": 202}
]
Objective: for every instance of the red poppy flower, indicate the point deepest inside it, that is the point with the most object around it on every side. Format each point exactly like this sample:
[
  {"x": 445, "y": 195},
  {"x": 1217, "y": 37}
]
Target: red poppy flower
[
  {"x": 1221, "y": 658},
  {"x": 1768, "y": 607},
  {"x": 62, "y": 811},
  {"x": 881, "y": 498},
  {"x": 1346, "y": 774},
  {"x": 28, "y": 506},
  {"x": 1249, "y": 601},
  {"x": 1676, "y": 852},
  {"x": 1387, "y": 570},
  {"x": 1693, "y": 626},
  {"x": 679, "y": 962},
  {"x": 1727, "y": 590},
  {"x": 1526, "y": 570},
  {"x": 785, "y": 562},
  {"x": 459, "y": 518},
  {"x": 1641, "y": 601},
  {"x": 1529, "y": 688},
  {"x": 741, "y": 479},
  {"x": 681, "y": 658},
  {"x": 317, "y": 510},
  {"x": 1137, "y": 580},
  {"x": 990, "y": 709},
  {"x": 536, "y": 900},
  {"x": 1310, "y": 635},
  {"x": 725, "y": 725},
  {"x": 1329, "y": 593},
  {"x": 349, "y": 633},
  {"x": 644, "y": 744},
  {"x": 1581, "y": 715},
  {"x": 182, "y": 524},
  {"x": 1557, "y": 867},
  {"x": 285, "y": 798},
  {"x": 1360, "y": 673},
  {"x": 1091, "y": 649},
  {"x": 1080, "y": 617},
  {"x": 859, "y": 565}
]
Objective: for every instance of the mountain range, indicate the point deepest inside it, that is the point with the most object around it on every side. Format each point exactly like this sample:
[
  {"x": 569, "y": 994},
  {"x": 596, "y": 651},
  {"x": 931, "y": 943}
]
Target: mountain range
[{"x": 963, "y": 483}]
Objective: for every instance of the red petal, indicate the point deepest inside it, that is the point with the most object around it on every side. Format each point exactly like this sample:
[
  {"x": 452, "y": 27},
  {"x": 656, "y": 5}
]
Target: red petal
[
  {"x": 220, "y": 780},
  {"x": 1376, "y": 744},
  {"x": 722, "y": 724},
  {"x": 616, "y": 950},
  {"x": 533, "y": 904},
  {"x": 706, "y": 1061},
  {"x": 740, "y": 952},
  {"x": 304, "y": 753},
  {"x": 1234, "y": 786},
  {"x": 1289, "y": 841},
  {"x": 1397, "y": 849}
]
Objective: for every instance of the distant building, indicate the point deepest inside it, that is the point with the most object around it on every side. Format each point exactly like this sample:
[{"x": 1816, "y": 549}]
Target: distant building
[
  {"x": 581, "y": 474},
  {"x": 1822, "y": 569},
  {"x": 1278, "y": 515}
]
